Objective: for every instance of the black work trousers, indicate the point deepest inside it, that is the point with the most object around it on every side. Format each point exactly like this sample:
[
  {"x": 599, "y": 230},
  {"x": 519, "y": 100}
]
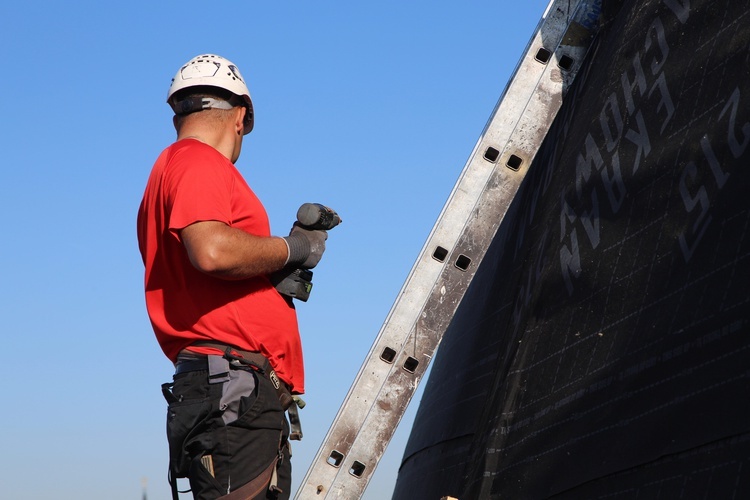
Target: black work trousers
[{"x": 225, "y": 429}]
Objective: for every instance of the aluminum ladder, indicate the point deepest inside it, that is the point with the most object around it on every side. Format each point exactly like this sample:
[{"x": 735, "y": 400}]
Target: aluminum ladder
[{"x": 464, "y": 230}]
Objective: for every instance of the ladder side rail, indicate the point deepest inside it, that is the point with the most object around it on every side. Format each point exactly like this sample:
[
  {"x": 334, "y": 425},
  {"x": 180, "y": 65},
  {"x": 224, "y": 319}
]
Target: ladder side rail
[
  {"x": 381, "y": 421},
  {"x": 378, "y": 398}
]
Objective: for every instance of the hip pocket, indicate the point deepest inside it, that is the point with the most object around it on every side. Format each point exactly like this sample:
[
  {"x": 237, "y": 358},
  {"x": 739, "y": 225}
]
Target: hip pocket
[
  {"x": 260, "y": 410},
  {"x": 190, "y": 414}
]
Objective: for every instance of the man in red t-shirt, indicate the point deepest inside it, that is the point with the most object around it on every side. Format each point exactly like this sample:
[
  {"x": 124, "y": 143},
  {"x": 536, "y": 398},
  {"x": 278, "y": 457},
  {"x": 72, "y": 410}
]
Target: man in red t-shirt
[{"x": 206, "y": 245}]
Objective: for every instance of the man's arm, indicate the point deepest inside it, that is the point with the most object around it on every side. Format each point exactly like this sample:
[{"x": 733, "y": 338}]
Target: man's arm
[{"x": 230, "y": 253}]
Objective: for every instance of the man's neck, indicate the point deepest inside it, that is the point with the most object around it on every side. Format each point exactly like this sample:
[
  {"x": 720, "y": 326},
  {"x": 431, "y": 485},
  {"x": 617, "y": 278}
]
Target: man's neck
[{"x": 222, "y": 142}]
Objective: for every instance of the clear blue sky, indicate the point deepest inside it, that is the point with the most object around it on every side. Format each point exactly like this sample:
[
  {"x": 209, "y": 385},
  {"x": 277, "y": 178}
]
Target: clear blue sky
[{"x": 371, "y": 108}]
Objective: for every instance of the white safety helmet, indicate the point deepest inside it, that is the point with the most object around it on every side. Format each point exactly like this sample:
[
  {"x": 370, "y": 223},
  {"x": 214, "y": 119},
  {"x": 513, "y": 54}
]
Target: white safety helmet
[{"x": 210, "y": 70}]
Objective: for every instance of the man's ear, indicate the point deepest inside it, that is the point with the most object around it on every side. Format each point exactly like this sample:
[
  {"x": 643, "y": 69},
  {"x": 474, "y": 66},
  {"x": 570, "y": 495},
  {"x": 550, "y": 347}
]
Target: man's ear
[{"x": 239, "y": 122}]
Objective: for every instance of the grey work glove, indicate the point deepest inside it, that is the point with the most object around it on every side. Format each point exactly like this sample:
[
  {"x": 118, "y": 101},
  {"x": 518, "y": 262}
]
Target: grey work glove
[{"x": 306, "y": 246}]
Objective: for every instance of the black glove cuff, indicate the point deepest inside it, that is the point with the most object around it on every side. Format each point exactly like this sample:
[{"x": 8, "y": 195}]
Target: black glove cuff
[{"x": 299, "y": 249}]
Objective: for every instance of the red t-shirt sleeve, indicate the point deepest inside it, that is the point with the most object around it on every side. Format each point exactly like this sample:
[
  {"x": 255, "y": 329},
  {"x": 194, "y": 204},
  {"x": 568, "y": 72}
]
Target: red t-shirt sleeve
[{"x": 199, "y": 188}]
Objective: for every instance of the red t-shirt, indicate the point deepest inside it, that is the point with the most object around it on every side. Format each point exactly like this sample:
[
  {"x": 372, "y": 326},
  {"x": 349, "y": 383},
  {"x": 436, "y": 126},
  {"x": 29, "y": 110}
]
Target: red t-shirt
[{"x": 192, "y": 182}]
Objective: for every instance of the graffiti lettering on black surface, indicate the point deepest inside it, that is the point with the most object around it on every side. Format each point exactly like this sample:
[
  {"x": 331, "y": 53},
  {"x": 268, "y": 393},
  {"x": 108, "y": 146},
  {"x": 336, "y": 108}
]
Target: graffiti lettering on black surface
[
  {"x": 622, "y": 131},
  {"x": 681, "y": 8},
  {"x": 697, "y": 191}
]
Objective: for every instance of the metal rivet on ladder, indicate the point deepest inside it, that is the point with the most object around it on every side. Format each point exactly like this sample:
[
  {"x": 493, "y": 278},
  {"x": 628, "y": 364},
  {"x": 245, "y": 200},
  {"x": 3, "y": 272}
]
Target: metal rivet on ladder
[
  {"x": 491, "y": 154},
  {"x": 514, "y": 162},
  {"x": 388, "y": 355},
  {"x": 543, "y": 55},
  {"x": 440, "y": 254},
  {"x": 463, "y": 262},
  {"x": 335, "y": 458},
  {"x": 565, "y": 62},
  {"x": 358, "y": 468},
  {"x": 410, "y": 365}
]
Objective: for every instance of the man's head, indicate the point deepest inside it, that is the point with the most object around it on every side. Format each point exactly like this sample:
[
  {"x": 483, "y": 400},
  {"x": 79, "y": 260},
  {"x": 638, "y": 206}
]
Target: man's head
[{"x": 210, "y": 82}]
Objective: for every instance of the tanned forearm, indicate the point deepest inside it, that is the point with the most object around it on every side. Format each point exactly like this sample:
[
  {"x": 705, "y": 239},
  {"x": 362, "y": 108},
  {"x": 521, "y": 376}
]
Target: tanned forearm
[{"x": 229, "y": 253}]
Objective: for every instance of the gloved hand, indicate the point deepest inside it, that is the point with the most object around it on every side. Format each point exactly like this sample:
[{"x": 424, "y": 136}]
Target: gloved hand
[{"x": 306, "y": 246}]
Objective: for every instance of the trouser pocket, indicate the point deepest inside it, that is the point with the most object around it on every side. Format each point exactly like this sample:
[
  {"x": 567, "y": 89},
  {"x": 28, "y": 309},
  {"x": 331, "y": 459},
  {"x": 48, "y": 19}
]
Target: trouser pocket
[
  {"x": 258, "y": 436},
  {"x": 191, "y": 417},
  {"x": 237, "y": 391}
]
